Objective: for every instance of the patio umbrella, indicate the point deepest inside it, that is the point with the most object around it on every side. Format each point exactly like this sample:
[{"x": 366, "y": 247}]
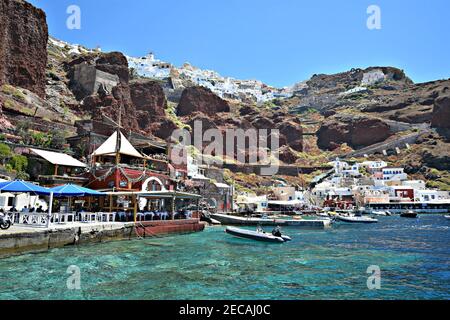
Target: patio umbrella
[
  {"x": 71, "y": 190},
  {"x": 19, "y": 186}
]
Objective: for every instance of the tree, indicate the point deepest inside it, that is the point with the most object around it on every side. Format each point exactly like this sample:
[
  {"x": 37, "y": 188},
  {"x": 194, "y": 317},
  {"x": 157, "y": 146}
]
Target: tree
[
  {"x": 5, "y": 152},
  {"x": 19, "y": 162},
  {"x": 58, "y": 139}
]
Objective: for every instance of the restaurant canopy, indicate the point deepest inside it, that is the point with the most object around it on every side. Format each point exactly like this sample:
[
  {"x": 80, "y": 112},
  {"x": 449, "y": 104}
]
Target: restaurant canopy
[
  {"x": 70, "y": 190},
  {"x": 109, "y": 147},
  {"x": 19, "y": 186},
  {"x": 56, "y": 158}
]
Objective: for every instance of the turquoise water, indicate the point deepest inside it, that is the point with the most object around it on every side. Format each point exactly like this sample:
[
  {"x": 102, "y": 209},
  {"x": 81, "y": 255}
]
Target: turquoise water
[{"x": 414, "y": 257}]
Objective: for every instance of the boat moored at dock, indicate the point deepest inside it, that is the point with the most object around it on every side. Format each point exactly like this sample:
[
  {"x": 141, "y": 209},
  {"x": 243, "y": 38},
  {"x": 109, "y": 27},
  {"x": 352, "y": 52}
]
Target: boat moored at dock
[{"x": 244, "y": 221}]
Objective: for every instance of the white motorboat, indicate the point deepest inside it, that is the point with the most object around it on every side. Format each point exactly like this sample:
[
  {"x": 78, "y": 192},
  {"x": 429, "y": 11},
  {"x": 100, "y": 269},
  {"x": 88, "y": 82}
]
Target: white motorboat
[
  {"x": 354, "y": 219},
  {"x": 447, "y": 217},
  {"x": 258, "y": 235},
  {"x": 380, "y": 213}
]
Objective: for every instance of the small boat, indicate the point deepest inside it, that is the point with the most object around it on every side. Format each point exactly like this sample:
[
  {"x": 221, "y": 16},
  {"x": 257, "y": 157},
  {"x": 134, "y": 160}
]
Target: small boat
[
  {"x": 409, "y": 214},
  {"x": 447, "y": 217},
  {"x": 256, "y": 235},
  {"x": 354, "y": 219},
  {"x": 380, "y": 213}
]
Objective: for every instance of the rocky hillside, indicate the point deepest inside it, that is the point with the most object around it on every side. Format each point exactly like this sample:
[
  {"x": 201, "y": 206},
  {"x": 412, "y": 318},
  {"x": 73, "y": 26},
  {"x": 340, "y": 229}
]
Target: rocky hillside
[{"x": 48, "y": 85}]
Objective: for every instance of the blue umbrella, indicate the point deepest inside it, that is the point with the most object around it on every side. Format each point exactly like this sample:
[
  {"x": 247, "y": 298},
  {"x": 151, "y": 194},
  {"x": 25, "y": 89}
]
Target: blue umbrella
[
  {"x": 19, "y": 186},
  {"x": 70, "y": 190}
]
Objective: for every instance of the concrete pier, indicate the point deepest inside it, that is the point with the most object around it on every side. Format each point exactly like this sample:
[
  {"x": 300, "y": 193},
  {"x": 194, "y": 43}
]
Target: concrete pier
[
  {"x": 243, "y": 221},
  {"x": 22, "y": 239}
]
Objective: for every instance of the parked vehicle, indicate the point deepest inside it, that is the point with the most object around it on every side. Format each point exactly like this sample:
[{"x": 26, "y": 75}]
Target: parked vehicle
[{"x": 5, "y": 221}]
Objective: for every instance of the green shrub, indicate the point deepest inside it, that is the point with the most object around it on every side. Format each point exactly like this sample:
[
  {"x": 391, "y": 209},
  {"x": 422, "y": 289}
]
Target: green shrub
[
  {"x": 5, "y": 152},
  {"x": 18, "y": 162}
]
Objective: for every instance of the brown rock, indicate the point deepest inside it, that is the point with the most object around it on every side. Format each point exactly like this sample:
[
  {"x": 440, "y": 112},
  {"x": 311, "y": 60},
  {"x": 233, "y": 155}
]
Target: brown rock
[
  {"x": 441, "y": 113},
  {"x": 287, "y": 156},
  {"x": 114, "y": 63},
  {"x": 149, "y": 101},
  {"x": 263, "y": 123},
  {"x": 164, "y": 128},
  {"x": 201, "y": 99},
  {"x": 291, "y": 130},
  {"x": 356, "y": 131},
  {"x": 23, "y": 46},
  {"x": 206, "y": 123}
]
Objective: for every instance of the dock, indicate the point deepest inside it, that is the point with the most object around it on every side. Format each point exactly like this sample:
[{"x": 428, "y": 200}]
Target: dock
[
  {"x": 243, "y": 221},
  {"x": 21, "y": 239}
]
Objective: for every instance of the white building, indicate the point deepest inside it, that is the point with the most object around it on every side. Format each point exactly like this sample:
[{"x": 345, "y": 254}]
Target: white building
[
  {"x": 372, "y": 77},
  {"x": 374, "y": 166},
  {"x": 194, "y": 172},
  {"x": 390, "y": 176}
]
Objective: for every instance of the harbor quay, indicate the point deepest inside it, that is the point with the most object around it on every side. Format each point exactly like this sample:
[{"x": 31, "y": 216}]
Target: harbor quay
[{"x": 23, "y": 239}]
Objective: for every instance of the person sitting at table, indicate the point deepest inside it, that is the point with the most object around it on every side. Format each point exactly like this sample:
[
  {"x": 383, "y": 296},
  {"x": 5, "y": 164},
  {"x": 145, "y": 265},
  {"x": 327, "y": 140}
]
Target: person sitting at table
[
  {"x": 13, "y": 209},
  {"x": 25, "y": 210},
  {"x": 40, "y": 209},
  {"x": 32, "y": 210}
]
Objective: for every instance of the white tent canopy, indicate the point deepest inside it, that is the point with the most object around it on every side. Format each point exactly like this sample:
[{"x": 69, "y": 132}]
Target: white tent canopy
[
  {"x": 109, "y": 147},
  {"x": 56, "y": 158}
]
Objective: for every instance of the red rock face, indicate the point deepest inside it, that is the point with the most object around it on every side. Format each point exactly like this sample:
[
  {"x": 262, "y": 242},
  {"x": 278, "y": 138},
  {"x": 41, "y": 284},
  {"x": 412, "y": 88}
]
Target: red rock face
[
  {"x": 200, "y": 99},
  {"x": 109, "y": 105},
  {"x": 293, "y": 133},
  {"x": 441, "y": 113},
  {"x": 149, "y": 97},
  {"x": 357, "y": 132},
  {"x": 163, "y": 129},
  {"x": 114, "y": 63},
  {"x": 23, "y": 45}
]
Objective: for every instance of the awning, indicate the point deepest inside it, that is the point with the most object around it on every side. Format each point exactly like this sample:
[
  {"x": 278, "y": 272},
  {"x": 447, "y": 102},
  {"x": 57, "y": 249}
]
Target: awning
[
  {"x": 61, "y": 159},
  {"x": 222, "y": 186},
  {"x": 109, "y": 147}
]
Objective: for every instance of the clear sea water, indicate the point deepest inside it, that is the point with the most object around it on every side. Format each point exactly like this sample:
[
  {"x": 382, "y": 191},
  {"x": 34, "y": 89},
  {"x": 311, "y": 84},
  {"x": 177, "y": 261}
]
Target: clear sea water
[{"x": 413, "y": 255}]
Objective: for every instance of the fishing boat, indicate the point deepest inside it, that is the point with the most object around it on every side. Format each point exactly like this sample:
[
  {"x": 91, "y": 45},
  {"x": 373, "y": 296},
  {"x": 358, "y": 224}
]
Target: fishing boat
[
  {"x": 258, "y": 235},
  {"x": 355, "y": 219},
  {"x": 409, "y": 214}
]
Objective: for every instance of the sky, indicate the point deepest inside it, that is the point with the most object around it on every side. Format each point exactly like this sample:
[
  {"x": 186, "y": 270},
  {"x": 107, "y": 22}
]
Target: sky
[{"x": 279, "y": 42}]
